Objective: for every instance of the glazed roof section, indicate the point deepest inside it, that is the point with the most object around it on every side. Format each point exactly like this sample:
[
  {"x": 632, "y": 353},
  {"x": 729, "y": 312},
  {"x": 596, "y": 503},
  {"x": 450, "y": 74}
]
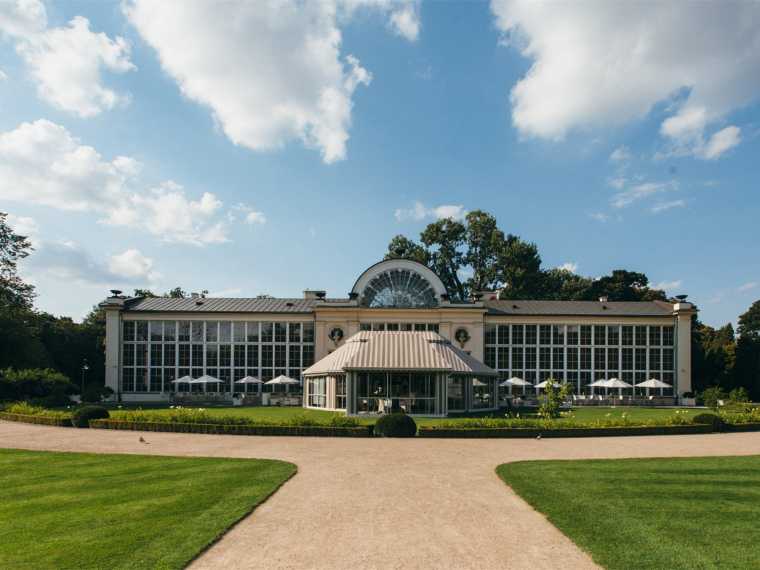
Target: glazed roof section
[{"x": 305, "y": 306}]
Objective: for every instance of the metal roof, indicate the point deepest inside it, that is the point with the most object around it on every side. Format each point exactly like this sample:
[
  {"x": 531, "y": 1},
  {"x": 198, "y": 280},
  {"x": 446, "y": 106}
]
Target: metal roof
[
  {"x": 578, "y": 308},
  {"x": 217, "y": 305},
  {"x": 398, "y": 350}
]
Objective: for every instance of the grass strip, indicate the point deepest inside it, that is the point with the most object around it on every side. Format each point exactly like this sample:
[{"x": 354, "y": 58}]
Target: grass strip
[
  {"x": 675, "y": 513},
  {"x": 82, "y": 510}
]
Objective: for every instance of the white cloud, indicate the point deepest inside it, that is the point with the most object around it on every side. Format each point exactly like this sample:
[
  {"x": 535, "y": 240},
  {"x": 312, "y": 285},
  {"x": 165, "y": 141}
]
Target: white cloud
[
  {"x": 722, "y": 141},
  {"x": 255, "y": 218},
  {"x": 420, "y": 212},
  {"x": 271, "y": 72},
  {"x": 41, "y": 163},
  {"x": 668, "y": 285},
  {"x": 22, "y": 225},
  {"x": 64, "y": 261},
  {"x": 634, "y": 193},
  {"x": 598, "y": 216},
  {"x": 571, "y": 267},
  {"x": 660, "y": 206},
  {"x": 132, "y": 265},
  {"x": 733, "y": 293},
  {"x": 622, "y": 154},
  {"x": 405, "y": 22},
  {"x": 66, "y": 63},
  {"x": 599, "y": 63}
]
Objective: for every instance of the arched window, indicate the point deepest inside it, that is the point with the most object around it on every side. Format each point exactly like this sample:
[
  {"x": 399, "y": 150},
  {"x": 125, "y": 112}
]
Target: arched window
[{"x": 399, "y": 288}]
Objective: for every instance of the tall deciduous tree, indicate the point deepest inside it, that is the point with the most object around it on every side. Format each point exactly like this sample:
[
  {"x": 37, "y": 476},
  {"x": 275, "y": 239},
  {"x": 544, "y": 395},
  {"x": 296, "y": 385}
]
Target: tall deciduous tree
[{"x": 14, "y": 293}]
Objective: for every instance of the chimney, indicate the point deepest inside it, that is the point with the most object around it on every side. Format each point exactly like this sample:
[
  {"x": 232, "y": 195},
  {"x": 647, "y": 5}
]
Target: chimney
[
  {"x": 194, "y": 295},
  {"x": 603, "y": 299}
]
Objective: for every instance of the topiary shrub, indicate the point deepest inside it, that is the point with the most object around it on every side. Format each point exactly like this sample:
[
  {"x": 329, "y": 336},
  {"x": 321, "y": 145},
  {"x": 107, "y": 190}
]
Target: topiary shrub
[
  {"x": 395, "y": 425},
  {"x": 82, "y": 416},
  {"x": 716, "y": 422}
]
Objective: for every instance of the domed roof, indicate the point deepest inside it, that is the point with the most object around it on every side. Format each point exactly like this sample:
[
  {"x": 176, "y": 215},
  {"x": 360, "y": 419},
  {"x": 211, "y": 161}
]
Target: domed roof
[{"x": 399, "y": 283}]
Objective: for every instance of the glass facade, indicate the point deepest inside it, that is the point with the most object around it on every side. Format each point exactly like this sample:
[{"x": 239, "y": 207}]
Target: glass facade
[
  {"x": 406, "y": 392},
  {"x": 154, "y": 353},
  {"x": 581, "y": 354}
]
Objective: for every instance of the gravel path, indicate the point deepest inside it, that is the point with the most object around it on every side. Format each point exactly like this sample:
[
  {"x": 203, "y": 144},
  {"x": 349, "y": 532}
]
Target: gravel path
[{"x": 386, "y": 503}]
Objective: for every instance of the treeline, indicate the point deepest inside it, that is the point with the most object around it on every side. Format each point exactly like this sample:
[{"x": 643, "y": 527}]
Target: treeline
[
  {"x": 504, "y": 262},
  {"x": 726, "y": 359}
]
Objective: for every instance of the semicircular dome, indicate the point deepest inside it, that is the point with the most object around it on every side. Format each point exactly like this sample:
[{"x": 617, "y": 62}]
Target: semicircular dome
[{"x": 399, "y": 283}]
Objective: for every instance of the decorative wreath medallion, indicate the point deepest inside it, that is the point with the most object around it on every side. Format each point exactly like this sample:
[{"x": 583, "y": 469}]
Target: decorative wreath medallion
[
  {"x": 462, "y": 336},
  {"x": 336, "y": 334}
]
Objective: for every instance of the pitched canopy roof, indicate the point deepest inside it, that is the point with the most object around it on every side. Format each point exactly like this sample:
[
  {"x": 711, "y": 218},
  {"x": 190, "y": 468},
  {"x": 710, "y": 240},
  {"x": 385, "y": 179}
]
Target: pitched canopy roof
[{"x": 399, "y": 350}]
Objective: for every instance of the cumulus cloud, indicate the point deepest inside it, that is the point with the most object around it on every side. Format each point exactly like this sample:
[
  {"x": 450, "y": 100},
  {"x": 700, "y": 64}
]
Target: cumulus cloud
[
  {"x": 598, "y": 216},
  {"x": 132, "y": 265},
  {"x": 420, "y": 212},
  {"x": 22, "y": 225},
  {"x": 571, "y": 267},
  {"x": 271, "y": 72},
  {"x": 66, "y": 261},
  {"x": 66, "y": 63},
  {"x": 668, "y": 285},
  {"x": 599, "y": 63},
  {"x": 42, "y": 163},
  {"x": 255, "y": 218}
]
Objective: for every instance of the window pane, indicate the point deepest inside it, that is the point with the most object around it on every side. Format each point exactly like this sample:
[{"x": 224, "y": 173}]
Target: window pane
[
  {"x": 183, "y": 333},
  {"x": 225, "y": 332},
  {"x": 157, "y": 331},
  {"x": 294, "y": 332},
  {"x": 267, "y": 332},
  {"x": 212, "y": 334}
]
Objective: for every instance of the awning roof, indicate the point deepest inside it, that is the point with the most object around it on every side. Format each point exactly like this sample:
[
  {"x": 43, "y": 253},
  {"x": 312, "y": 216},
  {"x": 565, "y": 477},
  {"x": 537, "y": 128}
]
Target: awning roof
[{"x": 399, "y": 350}]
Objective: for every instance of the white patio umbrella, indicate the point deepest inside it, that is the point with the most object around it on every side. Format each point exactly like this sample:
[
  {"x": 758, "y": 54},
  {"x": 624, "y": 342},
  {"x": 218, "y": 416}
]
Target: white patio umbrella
[
  {"x": 183, "y": 380},
  {"x": 205, "y": 379},
  {"x": 541, "y": 384},
  {"x": 653, "y": 383},
  {"x": 518, "y": 381},
  {"x": 282, "y": 381},
  {"x": 617, "y": 383},
  {"x": 597, "y": 384},
  {"x": 248, "y": 380}
]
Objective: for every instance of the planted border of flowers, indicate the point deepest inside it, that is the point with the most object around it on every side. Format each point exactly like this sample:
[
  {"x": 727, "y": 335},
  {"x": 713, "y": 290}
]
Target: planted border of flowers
[
  {"x": 40, "y": 420},
  {"x": 571, "y": 431},
  {"x": 239, "y": 429}
]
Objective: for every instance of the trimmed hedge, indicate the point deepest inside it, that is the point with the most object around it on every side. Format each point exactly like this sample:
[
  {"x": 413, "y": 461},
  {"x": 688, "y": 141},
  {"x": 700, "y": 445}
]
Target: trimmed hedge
[
  {"x": 42, "y": 420},
  {"x": 81, "y": 417},
  {"x": 395, "y": 425},
  {"x": 314, "y": 431},
  {"x": 429, "y": 431},
  {"x": 716, "y": 422},
  {"x": 742, "y": 427}
]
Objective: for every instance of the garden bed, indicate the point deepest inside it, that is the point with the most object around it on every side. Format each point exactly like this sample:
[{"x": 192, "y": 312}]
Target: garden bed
[
  {"x": 42, "y": 420},
  {"x": 223, "y": 429},
  {"x": 433, "y": 432}
]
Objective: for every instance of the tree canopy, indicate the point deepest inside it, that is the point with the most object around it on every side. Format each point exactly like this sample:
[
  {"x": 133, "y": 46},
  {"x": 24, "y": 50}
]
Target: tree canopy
[
  {"x": 14, "y": 293},
  {"x": 494, "y": 260}
]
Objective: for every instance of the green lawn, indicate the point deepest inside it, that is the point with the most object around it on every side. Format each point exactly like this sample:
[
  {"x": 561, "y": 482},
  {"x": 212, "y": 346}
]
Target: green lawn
[
  {"x": 675, "y": 513},
  {"x": 81, "y": 510}
]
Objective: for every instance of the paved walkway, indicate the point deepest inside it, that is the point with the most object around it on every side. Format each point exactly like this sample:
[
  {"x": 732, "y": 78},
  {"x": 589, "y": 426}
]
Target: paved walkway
[{"x": 386, "y": 503}]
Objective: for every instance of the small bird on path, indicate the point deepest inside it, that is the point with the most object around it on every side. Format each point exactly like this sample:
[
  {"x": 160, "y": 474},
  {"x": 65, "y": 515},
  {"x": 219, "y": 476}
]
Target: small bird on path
[
  {"x": 538, "y": 437},
  {"x": 142, "y": 440}
]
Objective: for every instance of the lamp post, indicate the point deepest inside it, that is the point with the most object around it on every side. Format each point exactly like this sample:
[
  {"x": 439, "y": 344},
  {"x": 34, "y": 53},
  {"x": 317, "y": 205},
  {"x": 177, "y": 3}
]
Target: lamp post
[{"x": 84, "y": 367}]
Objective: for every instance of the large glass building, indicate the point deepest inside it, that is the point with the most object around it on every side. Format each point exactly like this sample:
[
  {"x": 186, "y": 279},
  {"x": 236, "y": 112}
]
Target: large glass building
[{"x": 152, "y": 342}]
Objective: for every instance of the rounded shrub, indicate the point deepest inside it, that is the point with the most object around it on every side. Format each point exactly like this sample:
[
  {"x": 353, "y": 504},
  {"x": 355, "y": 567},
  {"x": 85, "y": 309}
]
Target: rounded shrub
[
  {"x": 395, "y": 425},
  {"x": 82, "y": 416},
  {"x": 716, "y": 422}
]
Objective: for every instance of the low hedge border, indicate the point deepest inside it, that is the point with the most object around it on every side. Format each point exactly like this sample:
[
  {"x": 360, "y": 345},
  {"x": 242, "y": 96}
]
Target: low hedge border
[
  {"x": 742, "y": 427},
  {"x": 313, "y": 431},
  {"x": 428, "y": 431},
  {"x": 43, "y": 420}
]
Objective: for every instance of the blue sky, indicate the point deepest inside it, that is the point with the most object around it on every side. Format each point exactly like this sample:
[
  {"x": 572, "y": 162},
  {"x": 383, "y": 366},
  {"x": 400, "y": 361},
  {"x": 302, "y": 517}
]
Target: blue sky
[{"x": 256, "y": 147}]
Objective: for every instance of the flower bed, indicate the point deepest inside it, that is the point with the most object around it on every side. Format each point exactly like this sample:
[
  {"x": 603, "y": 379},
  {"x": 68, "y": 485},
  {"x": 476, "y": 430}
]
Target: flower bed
[
  {"x": 578, "y": 431},
  {"x": 239, "y": 429},
  {"x": 42, "y": 420}
]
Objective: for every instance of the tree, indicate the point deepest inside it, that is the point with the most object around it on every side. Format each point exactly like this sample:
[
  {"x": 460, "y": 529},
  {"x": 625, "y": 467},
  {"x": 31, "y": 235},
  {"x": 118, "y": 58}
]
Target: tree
[
  {"x": 497, "y": 260},
  {"x": 14, "y": 293},
  {"x": 554, "y": 394},
  {"x": 749, "y": 322}
]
